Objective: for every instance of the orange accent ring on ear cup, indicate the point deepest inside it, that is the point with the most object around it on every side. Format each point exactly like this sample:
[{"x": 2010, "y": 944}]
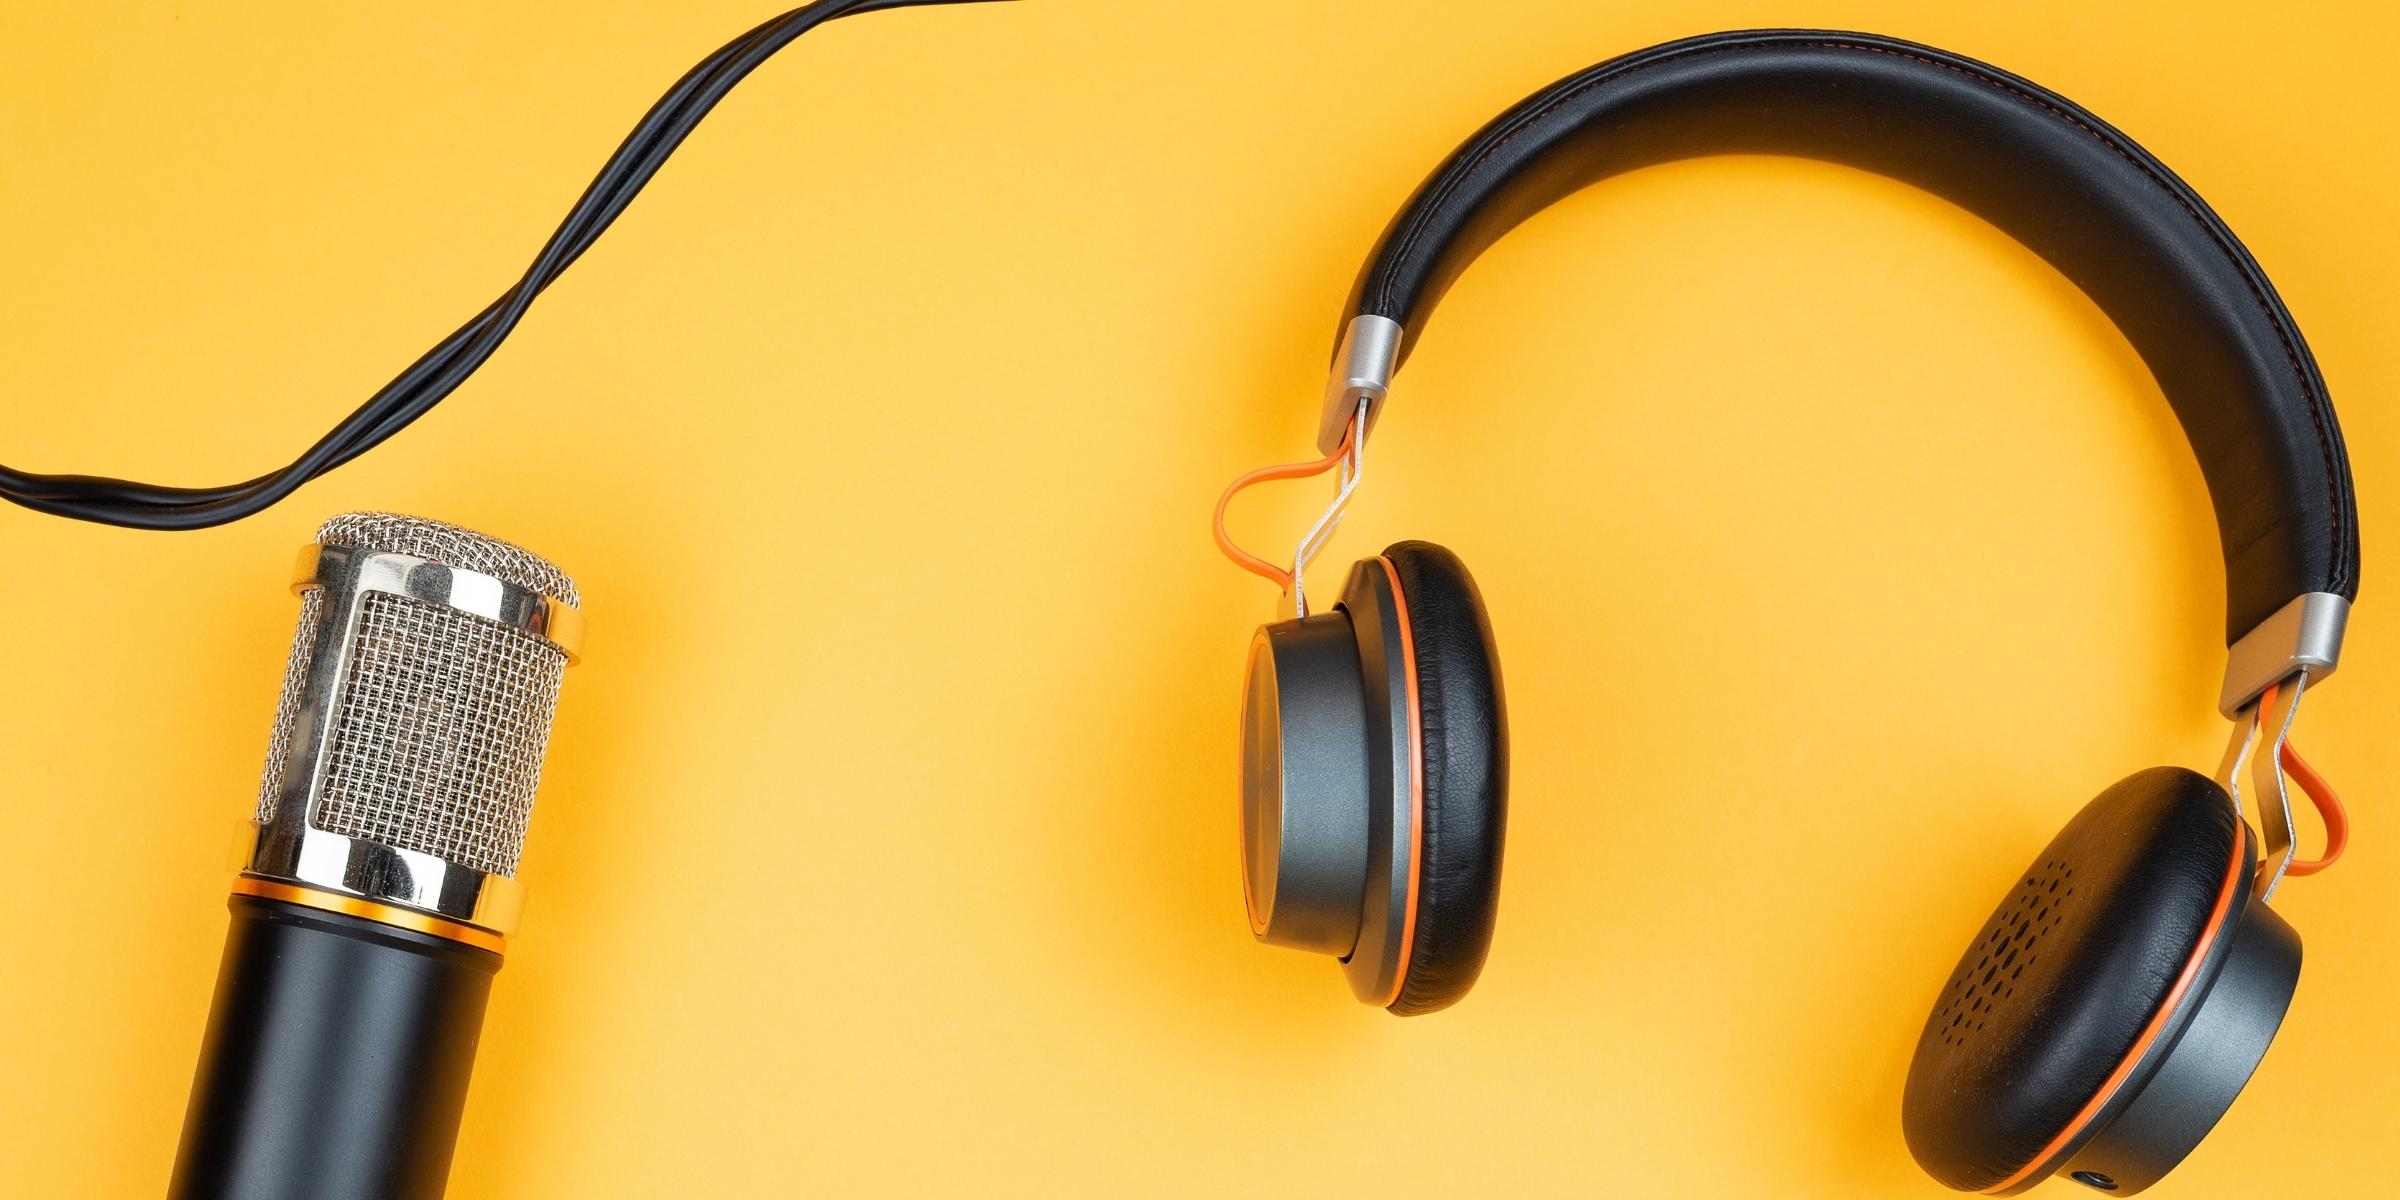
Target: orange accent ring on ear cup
[
  {"x": 1416, "y": 784},
  {"x": 1258, "y": 920},
  {"x": 2234, "y": 872},
  {"x": 1243, "y": 558}
]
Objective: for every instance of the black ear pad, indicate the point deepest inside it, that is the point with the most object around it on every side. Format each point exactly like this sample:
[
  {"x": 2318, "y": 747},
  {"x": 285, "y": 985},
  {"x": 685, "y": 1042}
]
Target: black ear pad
[
  {"x": 1465, "y": 754},
  {"x": 2061, "y": 986}
]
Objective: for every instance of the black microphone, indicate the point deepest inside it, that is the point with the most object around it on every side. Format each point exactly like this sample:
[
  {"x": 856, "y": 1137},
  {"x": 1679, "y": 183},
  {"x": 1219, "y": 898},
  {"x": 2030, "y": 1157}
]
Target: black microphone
[{"x": 377, "y": 894}]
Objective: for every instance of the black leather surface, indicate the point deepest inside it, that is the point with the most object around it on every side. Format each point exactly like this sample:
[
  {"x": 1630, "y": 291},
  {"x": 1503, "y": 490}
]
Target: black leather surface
[
  {"x": 2109, "y": 216},
  {"x": 2056, "y": 989},
  {"x": 1466, "y": 776}
]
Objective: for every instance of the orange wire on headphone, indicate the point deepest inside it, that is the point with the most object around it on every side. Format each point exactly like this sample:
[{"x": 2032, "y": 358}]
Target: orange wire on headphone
[
  {"x": 2321, "y": 794},
  {"x": 1243, "y": 558},
  {"x": 2329, "y": 809}
]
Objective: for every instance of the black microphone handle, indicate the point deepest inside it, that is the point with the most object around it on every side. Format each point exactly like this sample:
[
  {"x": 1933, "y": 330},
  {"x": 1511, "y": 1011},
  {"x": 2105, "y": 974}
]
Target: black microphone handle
[{"x": 336, "y": 1060}]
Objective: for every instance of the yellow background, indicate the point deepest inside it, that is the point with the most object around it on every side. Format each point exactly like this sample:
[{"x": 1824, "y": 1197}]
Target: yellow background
[{"x": 1838, "y": 550}]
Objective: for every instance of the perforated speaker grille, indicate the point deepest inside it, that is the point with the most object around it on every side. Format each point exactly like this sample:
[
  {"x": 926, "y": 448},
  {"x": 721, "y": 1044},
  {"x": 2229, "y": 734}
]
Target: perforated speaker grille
[{"x": 2010, "y": 946}]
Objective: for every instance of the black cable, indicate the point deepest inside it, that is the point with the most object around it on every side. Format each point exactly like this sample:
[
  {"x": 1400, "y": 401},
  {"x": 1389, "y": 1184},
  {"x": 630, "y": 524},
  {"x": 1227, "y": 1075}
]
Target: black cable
[{"x": 437, "y": 373}]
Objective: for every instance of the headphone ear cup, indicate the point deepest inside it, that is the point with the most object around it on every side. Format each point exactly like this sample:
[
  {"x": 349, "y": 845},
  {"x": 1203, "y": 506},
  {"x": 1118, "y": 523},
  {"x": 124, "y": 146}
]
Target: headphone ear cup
[
  {"x": 2104, "y": 972},
  {"x": 1463, "y": 741}
]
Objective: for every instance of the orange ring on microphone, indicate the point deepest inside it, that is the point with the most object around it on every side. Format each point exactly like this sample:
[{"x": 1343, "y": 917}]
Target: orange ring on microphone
[{"x": 356, "y": 906}]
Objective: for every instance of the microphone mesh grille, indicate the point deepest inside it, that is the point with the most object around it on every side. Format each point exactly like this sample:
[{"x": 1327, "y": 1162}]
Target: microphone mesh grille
[
  {"x": 287, "y": 705},
  {"x": 436, "y": 742},
  {"x": 451, "y": 546}
]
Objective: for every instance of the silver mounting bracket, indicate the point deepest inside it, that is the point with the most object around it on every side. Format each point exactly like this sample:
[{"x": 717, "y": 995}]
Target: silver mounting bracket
[
  {"x": 1353, "y": 465},
  {"x": 2261, "y": 758}
]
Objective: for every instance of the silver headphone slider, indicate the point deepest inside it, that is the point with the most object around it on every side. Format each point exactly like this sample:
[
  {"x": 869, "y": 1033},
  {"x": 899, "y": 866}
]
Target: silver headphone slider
[
  {"x": 2304, "y": 635},
  {"x": 1362, "y": 371}
]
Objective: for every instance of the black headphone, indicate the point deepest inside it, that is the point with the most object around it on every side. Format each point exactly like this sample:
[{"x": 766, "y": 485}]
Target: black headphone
[{"x": 2130, "y": 981}]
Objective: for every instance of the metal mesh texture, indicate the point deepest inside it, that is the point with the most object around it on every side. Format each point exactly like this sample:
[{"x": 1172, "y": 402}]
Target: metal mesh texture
[
  {"x": 287, "y": 706},
  {"x": 451, "y": 546},
  {"x": 437, "y": 743}
]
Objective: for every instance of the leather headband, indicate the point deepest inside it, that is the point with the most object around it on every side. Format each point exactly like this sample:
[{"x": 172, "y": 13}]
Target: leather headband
[{"x": 2085, "y": 197}]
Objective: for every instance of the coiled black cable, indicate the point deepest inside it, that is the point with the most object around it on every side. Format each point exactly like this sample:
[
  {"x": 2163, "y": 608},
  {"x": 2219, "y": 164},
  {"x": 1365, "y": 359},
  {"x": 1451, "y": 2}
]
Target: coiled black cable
[{"x": 440, "y": 371}]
